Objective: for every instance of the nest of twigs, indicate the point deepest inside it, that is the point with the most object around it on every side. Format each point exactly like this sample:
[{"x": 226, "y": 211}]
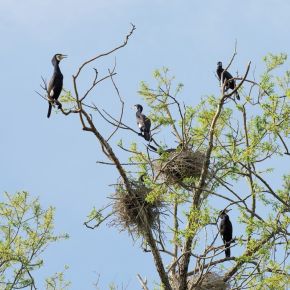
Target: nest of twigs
[
  {"x": 208, "y": 281},
  {"x": 132, "y": 212},
  {"x": 178, "y": 165}
]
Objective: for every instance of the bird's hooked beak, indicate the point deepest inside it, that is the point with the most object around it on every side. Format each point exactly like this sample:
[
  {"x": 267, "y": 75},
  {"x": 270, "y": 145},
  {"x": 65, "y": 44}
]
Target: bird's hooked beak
[
  {"x": 62, "y": 56},
  {"x": 225, "y": 211}
]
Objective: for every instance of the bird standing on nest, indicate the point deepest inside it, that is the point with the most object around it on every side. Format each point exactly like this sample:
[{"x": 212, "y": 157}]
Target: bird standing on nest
[
  {"x": 55, "y": 84},
  {"x": 227, "y": 77},
  {"x": 143, "y": 123},
  {"x": 226, "y": 231}
]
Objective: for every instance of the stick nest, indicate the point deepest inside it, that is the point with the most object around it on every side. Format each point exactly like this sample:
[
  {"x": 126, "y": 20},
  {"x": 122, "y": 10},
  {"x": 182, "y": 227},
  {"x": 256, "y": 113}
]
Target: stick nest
[
  {"x": 178, "y": 165},
  {"x": 208, "y": 281},
  {"x": 132, "y": 212}
]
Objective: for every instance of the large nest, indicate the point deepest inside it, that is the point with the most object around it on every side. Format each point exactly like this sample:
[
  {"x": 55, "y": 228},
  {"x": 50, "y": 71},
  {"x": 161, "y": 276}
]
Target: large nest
[
  {"x": 174, "y": 166},
  {"x": 132, "y": 212},
  {"x": 208, "y": 281}
]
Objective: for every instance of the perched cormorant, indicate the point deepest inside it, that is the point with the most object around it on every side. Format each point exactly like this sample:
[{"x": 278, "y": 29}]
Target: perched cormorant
[
  {"x": 55, "y": 84},
  {"x": 226, "y": 231},
  {"x": 143, "y": 123},
  {"x": 231, "y": 83}
]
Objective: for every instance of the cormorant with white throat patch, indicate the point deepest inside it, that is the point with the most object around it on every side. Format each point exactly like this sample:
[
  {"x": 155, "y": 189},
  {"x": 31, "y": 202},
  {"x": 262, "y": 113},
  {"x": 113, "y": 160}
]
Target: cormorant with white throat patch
[{"x": 55, "y": 84}]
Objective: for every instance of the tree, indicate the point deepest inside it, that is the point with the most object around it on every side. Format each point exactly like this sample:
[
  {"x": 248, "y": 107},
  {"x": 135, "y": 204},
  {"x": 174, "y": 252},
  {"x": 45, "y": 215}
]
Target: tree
[
  {"x": 172, "y": 203},
  {"x": 26, "y": 230}
]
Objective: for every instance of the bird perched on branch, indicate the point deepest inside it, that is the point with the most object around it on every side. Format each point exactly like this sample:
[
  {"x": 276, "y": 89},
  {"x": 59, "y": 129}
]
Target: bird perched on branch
[
  {"x": 143, "y": 123},
  {"x": 226, "y": 231},
  {"x": 227, "y": 77},
  {"x": 55, "y": 84}
]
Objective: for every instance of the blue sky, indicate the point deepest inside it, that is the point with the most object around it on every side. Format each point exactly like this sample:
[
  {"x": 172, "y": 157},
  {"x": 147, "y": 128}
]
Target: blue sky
[{"x": 53, "y": 158}]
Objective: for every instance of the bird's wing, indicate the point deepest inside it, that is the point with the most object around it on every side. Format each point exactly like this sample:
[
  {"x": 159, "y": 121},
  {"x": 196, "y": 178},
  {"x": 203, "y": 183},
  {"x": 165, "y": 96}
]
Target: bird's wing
[
  {"x": 227, "y": 75},
  {"x": 147, "y": 123},
  {"x": 230, "y": 229},
  {"x": 55, "y": 87},
  {"x": 50, "y": 89}
]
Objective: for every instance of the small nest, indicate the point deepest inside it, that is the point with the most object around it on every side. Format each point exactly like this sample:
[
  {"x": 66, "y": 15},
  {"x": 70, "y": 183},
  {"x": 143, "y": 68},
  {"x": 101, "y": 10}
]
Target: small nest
[
  {"x": 131, "y": 209},
  {"x": 180, "y": 165}
]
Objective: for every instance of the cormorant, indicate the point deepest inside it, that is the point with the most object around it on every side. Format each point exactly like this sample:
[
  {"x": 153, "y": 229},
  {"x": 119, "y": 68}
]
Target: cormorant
[
  {"x": 143, "y": 123},
  {"x": 231, "y": 83},
  {"x": 226, "y": 231},
  {"x": 55, "y": 84}
]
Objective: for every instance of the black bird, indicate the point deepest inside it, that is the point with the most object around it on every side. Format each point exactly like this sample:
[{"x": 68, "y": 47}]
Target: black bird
[
  {"x": 143, "y": 123},
  {"x": 161, "y": 151},
  {"x": 141, "y": 178},
  {"x": 55, "y": 84},
  {"x": 226, "y": 231},
  {"x": 231, "y": 83}
]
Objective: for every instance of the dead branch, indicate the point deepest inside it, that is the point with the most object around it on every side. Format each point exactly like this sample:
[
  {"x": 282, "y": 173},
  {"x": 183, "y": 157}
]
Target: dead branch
[{"x": 106, "y": 53}]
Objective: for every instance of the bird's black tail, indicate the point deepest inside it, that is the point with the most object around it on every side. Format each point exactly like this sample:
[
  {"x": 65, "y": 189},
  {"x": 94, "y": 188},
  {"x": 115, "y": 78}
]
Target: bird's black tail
[
  {"x": 152, "y": 147},
  {"x": 49, "y": 109},
  {"x": 238, "y": 96},
  {"x": 227, "y": 250},
  {"x": 147, "y": 136}
]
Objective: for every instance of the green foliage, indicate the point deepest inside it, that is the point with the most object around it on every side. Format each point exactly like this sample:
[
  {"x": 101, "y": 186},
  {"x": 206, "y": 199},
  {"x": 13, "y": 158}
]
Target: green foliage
[
  {"x": 96, "y": 216},
  {"x": 26, "y": 229},
  {"x": 67, "y": 98},
  {"x": 244, "y": 136},
  {"x": 158, "y": 192},
  {"x": 237, "y": 141},
  {"x": 272, "y": 61},
  {"x": 69, "y": 102},
  {"x": 57, "y": 281},
  {"x": 160, "y": 98}
]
